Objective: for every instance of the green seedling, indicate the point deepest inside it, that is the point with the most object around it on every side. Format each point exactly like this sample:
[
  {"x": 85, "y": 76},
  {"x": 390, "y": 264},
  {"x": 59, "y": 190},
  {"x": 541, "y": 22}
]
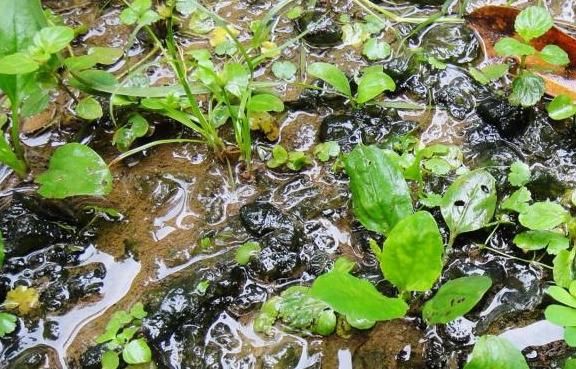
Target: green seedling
[
  {"x": 491, "y": 352},
  {"x": 532, "y": 22},
  {"x": 120, "y": 342},
  {"x": 372, "y": 83},
  {"x": 565, "y": 314},
  {"x": 294, "y": 160}
]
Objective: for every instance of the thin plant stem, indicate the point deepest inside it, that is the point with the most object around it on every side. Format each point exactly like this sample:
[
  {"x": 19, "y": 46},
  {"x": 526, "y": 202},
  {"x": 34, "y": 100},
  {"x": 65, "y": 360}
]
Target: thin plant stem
[
  {"x": 491, "y": 249},
  {"x": 15, "y": 131},
  {"x": 139, "y": 149},
  {"x": 399, "y": 19}
]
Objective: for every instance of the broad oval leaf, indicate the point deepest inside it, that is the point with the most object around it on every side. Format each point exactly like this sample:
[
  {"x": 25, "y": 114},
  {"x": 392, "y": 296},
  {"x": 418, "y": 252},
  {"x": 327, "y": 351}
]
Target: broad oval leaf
[
  {"x": 564, "y": 316},
  {"x": 89, "y": 108},
  {"x": 137, "y": 352},
  {"x": 75, "y": 170},
  {"x": 563, "y": 270},
  {"x": 554, "y": 54},
  {"x": 527, "y": 89},
  {"x": 412, "y": 254},
  {"x": 561, "y": 107},
  {"x": 356, "y": 298},
  {"x": 332, "y": 75},
  {"x": 53, "y": 39},
  {"x": 509, "y": 46},
  {"x": 561, "y": 295},
  {"x": 491, "y": 352},
  {"x": 455, "y": 298},
  {"x": 543, "y": 216},
  {"x": 18, "y": 63},
  {"x": 470, "y": 202},
  {"x": 372, "y": 84},
  {"x": 380, "y": 195},
  {"x": 532, "y": 22},
  {"x": 265, "y": 102},
  {"x": 538, "y": 240}
]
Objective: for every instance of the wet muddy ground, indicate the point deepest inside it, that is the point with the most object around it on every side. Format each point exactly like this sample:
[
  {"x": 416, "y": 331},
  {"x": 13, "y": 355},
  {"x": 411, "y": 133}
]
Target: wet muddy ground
[{"x": 184, "y": 213}]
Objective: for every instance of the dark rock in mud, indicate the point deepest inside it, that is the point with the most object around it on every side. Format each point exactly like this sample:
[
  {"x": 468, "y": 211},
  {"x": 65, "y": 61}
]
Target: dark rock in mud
[
  {"x": 179, "y": 318},
  {"x": 456, "y": 44},
  {"x": 323, "y": 29},
  {"x": 457, "y": 91},
  {"x": 279, "y": 235},
  {"x": 37, "y": 357},
  {"x": 312, "y": 98},
  {"x": 25, "y": 231},
  {"x": 508, "y": 119},
  {"x": 368, "y": 127}
]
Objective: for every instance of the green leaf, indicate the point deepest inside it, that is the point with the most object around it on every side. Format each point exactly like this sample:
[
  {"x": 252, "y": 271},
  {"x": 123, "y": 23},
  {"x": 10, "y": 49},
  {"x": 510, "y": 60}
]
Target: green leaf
[
  {"x": 509, "y": 46},
  {"x": 570, "y": 337},
  {"x": 326, "y": 150},
  {"x": 246, "y": 251},
  {"x": 470, "y": 202},
  {"x": 543, "y": 216},
  {"x": 561, "y": 295},
  {"x": 332, "y": 75},
  {"x": 137, "y": 311},
  {"x": 118, "y": 320},
  {"x": 75, "y": 170},
  {"x": 561, "y": 107},
  {"x": 538, "y": 240},
  {"x": 89, "y": 108},
  {"x": 137, "y": 352},
  {"x": 285, "y": 70},
  {"x": 561, "y": 315},
  {"x": 18, "y": 63},
  {"x": 533, "y": 22},
  {"x": 265, "y": 103},
  {"x": 53, "y": 39},
  {"x": 495, "y": 71},
  {"x": 519, "y": 174},
  {"x": 376, "y": 50},
  {"x": 19, "y": 23},
  {"x": 356, "y": 297},
  {"x": 492, "y": 352},
  {"x": 554, "y": 55},
  {"x": 7, "y": 324},
  {"x": 8, "y": 157},
  {"x": 125, "y": 136},
  {"x": 110, "y": 360},
  {"x": 380, "y": 194},
  {"x": 297, "y": 160},
  {"x": 411, "y": 257},
  {"x": 570, "y": 363},
  {"x": 518, "y": 201},
  {"x": 235, "y": 78},
  {"x": 527, "y": 89},
  {"x": 372, "y": 84},
  {"x": 455, "y": 298},
  {"x": 563, "y": 270},
  {"x": 279, "y": 157}
]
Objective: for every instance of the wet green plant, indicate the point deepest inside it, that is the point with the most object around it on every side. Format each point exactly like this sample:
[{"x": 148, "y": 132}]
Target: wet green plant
[
  {"x": 372, "y": 83},
  {"x": 75, "y": 170},
  {"x": 492, "y": 352},
  {"x": 561, "y": 107},
  {"x": 246, "y": 251},
  {"x": 293, "y": 160},
  {"x": 120, "y": 342},
  {"x": 527, "y": 86},
  {"x": 326, "y": 150},
  {"x": 355, "y": 298},
  {"x": 455, "y": 298},
  {"x": 380, "y": 194}
]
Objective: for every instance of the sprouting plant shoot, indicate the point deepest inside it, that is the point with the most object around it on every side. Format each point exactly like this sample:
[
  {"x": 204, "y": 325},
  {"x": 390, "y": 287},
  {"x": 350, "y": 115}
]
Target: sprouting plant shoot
[{"x": 531, "y": 23}]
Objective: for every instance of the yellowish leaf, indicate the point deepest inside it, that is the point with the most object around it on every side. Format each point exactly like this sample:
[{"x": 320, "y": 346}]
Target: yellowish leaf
[{"x": 22, "y": 298}]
